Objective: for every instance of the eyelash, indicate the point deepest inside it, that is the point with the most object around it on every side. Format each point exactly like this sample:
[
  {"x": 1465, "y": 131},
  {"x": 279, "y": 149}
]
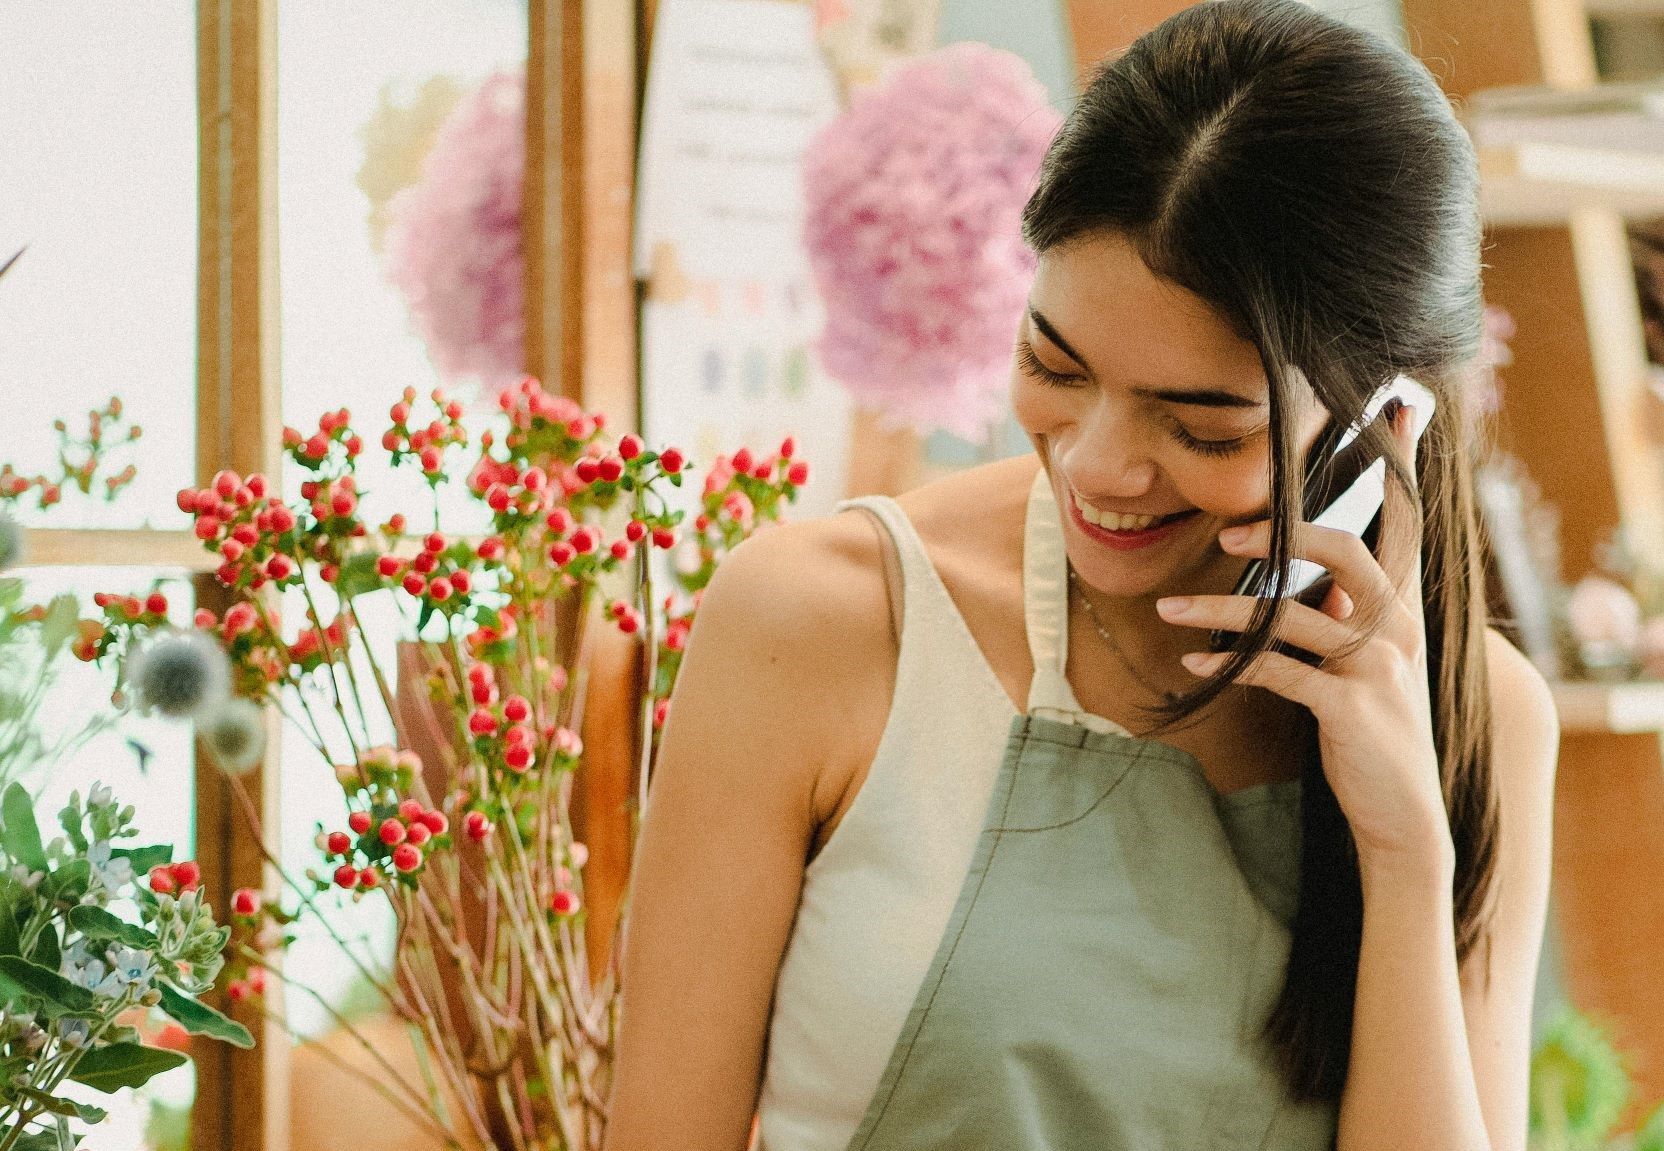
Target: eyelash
[{"x": 1031, "y": 364}]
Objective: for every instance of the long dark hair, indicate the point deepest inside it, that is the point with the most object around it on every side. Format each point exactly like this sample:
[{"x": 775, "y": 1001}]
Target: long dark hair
[{"x": 1313, "y": 185}]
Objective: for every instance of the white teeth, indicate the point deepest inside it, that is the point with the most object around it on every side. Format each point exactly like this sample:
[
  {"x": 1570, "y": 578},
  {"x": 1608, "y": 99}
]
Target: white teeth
[{"x": 1113, "y": 521}]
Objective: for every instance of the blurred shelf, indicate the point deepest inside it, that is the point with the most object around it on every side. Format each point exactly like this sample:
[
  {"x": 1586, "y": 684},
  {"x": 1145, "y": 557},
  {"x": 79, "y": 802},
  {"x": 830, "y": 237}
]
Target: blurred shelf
[
  {"x": 1611, "y": 708},
  {"x": 1545, "y": 153},
  {"x": 1625, "y": 8}
]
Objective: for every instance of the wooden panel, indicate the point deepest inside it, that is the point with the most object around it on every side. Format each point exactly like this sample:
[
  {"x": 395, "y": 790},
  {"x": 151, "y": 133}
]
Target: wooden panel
[
  {"x": 1102, "y": 29},
  {"x": 1550, "y": 398},
  {"x": 581, "y": 323},
  {"x": 1609, "y": 905},
  {"x": 241, "y": 1095},
  {"x": 1472, "y": 44}
]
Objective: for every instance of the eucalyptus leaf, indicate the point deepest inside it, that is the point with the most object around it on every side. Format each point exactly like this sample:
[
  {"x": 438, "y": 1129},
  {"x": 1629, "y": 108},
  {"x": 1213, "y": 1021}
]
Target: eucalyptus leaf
[
  {"x": 68, "y": 1108},
  {"x": 144, "y": 858},
  {"x": 19, "y": 833},
  {"x": 109, "y": 1069},
  {"x": 22, "y": 980},
  {"x": 96, "y": 923},
  {"x": 198, "y": 1018},
  {"x": 46, "y": 952},
  {"x": 68, "y": 883}
]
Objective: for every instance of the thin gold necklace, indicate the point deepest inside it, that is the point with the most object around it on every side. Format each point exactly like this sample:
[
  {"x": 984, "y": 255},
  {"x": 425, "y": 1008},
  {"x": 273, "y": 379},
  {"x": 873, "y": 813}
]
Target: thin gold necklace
[{"x": 1109, "y": 641}]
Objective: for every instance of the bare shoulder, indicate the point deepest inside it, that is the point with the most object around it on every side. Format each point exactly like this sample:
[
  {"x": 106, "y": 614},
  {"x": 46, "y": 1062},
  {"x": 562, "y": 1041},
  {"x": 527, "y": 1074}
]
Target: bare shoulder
[
  {"x": 973, "y": 518},
  {"x": 1526, "y": 730}
]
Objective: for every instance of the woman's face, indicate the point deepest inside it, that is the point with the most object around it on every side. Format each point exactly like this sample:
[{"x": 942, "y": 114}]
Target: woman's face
[{"x": 1141, "y": 401}]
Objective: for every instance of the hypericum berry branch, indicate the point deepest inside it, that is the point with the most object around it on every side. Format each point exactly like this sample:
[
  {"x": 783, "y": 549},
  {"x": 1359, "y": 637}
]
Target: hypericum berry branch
[{"x": 474, "y": 848}]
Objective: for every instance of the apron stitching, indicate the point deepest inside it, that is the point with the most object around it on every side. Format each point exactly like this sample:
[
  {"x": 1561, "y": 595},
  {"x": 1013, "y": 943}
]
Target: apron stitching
[
  {"x": 948, "y": 961},
  {"x": 1138, "y": 757}
]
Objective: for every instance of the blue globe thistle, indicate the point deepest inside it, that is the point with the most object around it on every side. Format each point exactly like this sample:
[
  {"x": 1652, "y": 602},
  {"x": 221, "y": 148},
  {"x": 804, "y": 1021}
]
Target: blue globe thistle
[{"x": 180, "y": 673}]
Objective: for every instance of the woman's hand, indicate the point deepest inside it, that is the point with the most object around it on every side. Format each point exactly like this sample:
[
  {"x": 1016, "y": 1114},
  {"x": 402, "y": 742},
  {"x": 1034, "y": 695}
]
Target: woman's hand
[{"x": 1372, "y": 707}]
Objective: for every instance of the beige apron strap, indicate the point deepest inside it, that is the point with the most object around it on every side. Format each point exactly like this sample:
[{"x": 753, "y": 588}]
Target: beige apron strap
[{"x": 1046, "y": 613}]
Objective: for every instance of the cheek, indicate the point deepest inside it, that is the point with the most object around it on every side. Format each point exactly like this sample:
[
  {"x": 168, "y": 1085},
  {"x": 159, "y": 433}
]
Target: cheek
[
  {"x": 1237, "y": 488},
  {"x": 1039, "y": 408}
]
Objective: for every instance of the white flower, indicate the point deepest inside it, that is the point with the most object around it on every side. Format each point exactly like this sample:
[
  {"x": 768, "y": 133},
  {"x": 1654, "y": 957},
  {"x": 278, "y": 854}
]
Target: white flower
[
  {"x": 74, "y": 1032},
  {"x": 180, "y": 673},
  {"x": 112, "y": 872},
  {"x": 100, "y": 795},
  {"x": 235, "y": 732},
  {"x": 131, "y": 967}
]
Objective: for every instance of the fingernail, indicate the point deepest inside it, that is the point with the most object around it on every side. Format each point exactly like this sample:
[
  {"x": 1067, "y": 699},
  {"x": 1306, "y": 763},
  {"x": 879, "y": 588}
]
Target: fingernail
[
  {"x": 1173, "y": 605},
  {"x": 1230, "y": 537},
  {"x": 1200, "y": 662}
]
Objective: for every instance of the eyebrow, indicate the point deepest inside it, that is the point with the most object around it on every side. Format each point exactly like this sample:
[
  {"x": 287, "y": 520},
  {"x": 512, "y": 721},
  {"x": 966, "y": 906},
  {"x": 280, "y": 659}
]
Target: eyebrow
[{"x": 1201, "y": 397}]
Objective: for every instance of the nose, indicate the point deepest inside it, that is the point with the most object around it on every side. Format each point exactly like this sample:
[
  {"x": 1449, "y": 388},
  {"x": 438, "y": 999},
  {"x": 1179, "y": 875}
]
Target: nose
[{"x": 1106, "y": 459}]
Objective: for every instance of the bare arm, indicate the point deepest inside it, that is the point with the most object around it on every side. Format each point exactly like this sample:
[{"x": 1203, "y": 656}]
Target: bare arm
[{"x": 783, "y": 635}]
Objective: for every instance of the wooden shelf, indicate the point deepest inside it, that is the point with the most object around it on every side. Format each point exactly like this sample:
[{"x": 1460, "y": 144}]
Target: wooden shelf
[
  {"x": 1609, "y": 708},
  {"x": 1653, "y": 8},
  {"x": 104, "y": 547},
  {"x": 1546, "y": 153}
]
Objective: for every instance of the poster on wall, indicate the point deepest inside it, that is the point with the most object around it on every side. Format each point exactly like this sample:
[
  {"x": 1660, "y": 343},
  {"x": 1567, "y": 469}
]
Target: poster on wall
[{"x": 735, "y": 91}]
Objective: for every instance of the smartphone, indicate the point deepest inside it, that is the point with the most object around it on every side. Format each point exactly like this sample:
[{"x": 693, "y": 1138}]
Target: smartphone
[{"x": 1345, "y": 489}]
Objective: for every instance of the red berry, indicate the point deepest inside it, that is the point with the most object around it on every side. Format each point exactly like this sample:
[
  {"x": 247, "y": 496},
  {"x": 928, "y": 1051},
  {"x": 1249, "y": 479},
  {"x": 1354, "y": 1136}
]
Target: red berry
[
  {"x": 482, "y": 722},
  {"x": 518, "y": 756},
  {"x": 418, "y": 834},
  {"x": 346, "y": 876},
  {"x": 664, "y": 538},
  {"x": 434, "y": 542},
  {"x": 317, "y": 447},
  {"x": 186, "y": 499},
  {"x": 671, "y": 461},
  {"x": 329, "y": 573},
  {"x": 369, "y": 879},
  {"x": 436, "y": 822},
  {"x": 461, "y": 583},
  {"x": 497, "y": 498},
  {"x": 187, "y": 874},
  {"x": 245, "y": 901},
  {"x": 410, "y": 811},
  {"x": 564, "y": 902},
  {"x": 430, "y": 459},
  {"x": 741, "y": 460},
  {"x": 561, "y": 553},
  {"x": 391, "y": 832},
  {"x": 388, "y": 566},
  {"x": 560, "y": 521},
  {"x": 610, "y": 468},
  {"x": 634, "y": 531},
  {"x": 406, "y": 857},
  {"x": 584, "y": 539},
  {"x": 204, "y": 618},
  {"x": 338, "y": 843},
  {"x": 630, "y": 624},
  {"x": 586, "y": 470},
  {"x": 630, "y": 447},
  {"x": 440, "y": 589},
  {"x": 415, "y": 584},
  {"x": 476, "y": 825},
  {"x": 516, "y": 708},
  {"x": 237, "y": 991},
  {"x": 161, "y": 880},
  {"x": 491, "y": 549},
  {"x": 225, "y": 484},
  {"x": 788, "y": 446},
  {"x": 798, "y": 473},
  {"x": 156, "y": 603},
  {"x": 620, "y": 549}
]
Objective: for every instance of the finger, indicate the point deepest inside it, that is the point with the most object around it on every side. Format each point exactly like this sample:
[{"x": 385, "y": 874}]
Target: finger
[
  {"x": 1302, "y": 626},
  {"x": 1400, "y": 547},
  {"x": 1346, "y": 557},
  {"x": 1273, "y": 671}
]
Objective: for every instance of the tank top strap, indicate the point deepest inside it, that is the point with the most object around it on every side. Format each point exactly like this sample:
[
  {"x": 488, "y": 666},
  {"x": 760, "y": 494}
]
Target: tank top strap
[{"x": 1046, "y": 613}]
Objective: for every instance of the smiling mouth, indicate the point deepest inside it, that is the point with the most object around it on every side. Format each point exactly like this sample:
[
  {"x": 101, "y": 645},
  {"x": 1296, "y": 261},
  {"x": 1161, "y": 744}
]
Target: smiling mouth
[{"x": 1117, "y": 522}]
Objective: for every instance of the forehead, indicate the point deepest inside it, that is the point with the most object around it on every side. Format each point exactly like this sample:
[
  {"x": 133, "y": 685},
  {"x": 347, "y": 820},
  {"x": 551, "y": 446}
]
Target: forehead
[{"x": 1132, "y": 327}]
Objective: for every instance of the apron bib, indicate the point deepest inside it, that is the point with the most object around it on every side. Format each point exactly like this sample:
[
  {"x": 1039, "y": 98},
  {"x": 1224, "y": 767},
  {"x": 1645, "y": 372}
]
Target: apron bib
[{"x": 1117, "y": 942}]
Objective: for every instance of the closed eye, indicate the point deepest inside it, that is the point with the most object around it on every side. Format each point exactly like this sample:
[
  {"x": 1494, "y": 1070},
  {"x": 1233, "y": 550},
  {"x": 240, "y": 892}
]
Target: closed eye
[{"x": 1030, "y": 363}]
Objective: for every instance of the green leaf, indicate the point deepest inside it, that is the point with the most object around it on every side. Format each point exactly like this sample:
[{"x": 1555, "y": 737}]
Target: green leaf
[
  {"x": 144, "y": 858},
  {"x": 358, "y": 576},
  {"x": 68, "y": 1108},
  {"x": 46, "y": 953},
  {"x": 96, "y": 923},
  {"x": 109, "y": 1069},
  {"x": 22, "y": 980},
  {"x": 62, "y": 615},
  {"x": 69, "y": 883},
  {"x": 200, "y": 1019},
  {"x": 19, "y": 833},
  {"x": 38, "y": 1141}
]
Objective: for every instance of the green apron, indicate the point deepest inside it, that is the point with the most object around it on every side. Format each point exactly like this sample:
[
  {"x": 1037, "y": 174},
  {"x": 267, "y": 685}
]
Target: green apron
[{"x": 1116, "y": 944}]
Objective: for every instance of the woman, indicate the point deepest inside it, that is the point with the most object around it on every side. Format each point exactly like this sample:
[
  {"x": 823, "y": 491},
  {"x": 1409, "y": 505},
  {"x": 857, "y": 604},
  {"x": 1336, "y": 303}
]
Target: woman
[{"x": 908, "y": 880}]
